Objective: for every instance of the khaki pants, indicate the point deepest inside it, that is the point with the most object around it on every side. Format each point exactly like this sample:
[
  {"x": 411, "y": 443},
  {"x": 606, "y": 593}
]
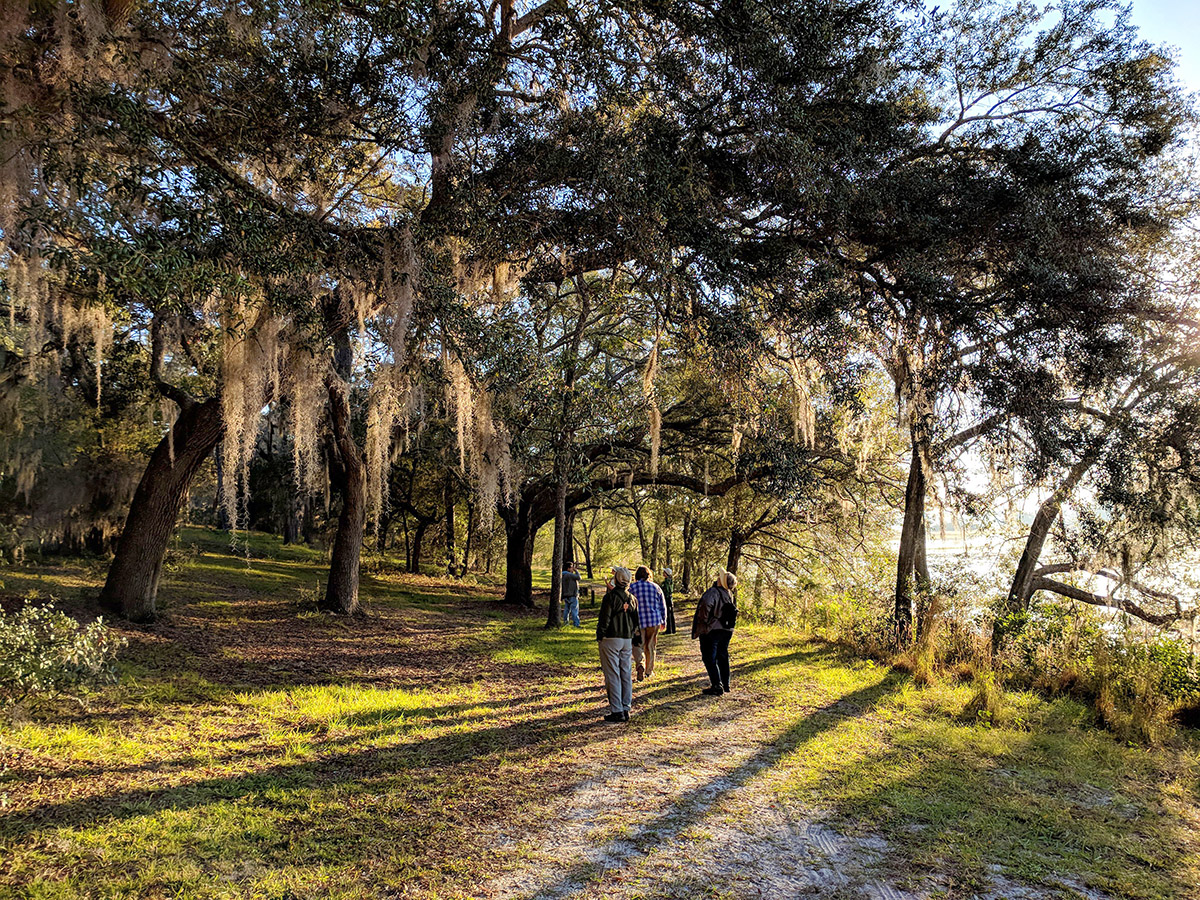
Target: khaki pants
[{"x": 647, "y": 649}]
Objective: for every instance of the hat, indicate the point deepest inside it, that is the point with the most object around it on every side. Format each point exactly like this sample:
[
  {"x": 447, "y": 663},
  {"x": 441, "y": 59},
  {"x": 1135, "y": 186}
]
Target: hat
[
  {"x": 621, "y": 575},
  {"x": 667, "y": 570}
]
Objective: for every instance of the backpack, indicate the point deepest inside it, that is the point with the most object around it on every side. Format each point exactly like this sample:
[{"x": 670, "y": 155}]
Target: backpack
[{"x": 727, "y": 615}]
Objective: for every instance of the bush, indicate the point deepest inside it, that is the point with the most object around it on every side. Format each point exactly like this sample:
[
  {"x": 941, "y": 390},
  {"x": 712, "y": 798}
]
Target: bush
[
  {"x": 1134, "y": 684},
  {"x": 45, "y": 653}
]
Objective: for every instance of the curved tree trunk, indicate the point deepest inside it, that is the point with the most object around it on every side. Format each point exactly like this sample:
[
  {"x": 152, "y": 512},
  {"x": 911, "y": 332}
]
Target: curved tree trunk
[
  {"x": 1022, "y": 587},
  {"x": 131, "y": 588}
]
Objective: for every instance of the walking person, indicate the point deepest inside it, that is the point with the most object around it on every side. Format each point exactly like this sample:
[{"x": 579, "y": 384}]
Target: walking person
[
  {"x": 652, "y": 613},
  {"x": 668, "y": 589},
  {"x": 615, "y": 625},
  {"x": 713, "y": 624},
  {"x": 570, "y": 594}
]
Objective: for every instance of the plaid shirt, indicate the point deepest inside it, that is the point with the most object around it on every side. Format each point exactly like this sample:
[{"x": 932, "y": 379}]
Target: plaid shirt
[{"x": 652, "y": 606}]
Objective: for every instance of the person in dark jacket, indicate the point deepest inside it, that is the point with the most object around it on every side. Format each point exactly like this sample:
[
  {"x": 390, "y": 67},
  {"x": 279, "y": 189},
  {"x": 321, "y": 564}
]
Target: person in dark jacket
[
  {"x": 713, "y": 633},
  {"x": 668, "y": 589},
  {"x": 615, "y": 626},
  {"x": 570, "y": 595}
]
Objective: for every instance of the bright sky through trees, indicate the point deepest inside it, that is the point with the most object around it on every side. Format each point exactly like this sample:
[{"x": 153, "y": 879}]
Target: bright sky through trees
[{"x": 1175, "y": 23}]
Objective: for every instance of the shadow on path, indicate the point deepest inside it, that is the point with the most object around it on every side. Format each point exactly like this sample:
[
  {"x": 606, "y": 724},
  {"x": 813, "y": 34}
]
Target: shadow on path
[{"x": 692, "y": 806}]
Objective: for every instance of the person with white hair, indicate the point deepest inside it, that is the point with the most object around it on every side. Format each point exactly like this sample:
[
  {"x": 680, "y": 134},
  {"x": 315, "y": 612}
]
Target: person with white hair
[
  {"x": 615, "y": 626},
  {"x": 713, "y": 624}
]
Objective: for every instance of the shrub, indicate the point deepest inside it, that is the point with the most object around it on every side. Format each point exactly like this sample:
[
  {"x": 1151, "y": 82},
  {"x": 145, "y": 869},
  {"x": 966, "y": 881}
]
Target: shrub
[{"x": 45, "y": 653}]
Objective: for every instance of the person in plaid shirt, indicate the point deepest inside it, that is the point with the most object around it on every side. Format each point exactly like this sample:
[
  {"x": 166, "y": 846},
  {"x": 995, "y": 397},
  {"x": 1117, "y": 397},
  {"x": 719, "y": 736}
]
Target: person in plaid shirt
[{"x": 652, "y": 615}]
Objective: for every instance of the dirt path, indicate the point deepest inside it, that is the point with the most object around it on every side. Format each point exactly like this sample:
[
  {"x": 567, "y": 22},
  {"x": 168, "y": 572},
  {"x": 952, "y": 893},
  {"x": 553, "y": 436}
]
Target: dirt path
[{"x": 689, "y": 810}]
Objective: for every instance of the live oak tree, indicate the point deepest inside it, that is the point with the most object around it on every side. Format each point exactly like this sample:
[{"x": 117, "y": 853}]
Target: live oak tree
[{"x": 1001, "y": 229}]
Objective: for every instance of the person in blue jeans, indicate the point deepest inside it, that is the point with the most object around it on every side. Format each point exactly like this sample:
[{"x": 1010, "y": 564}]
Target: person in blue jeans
[
  {"x": 570, "y": 594},
  {"x": 714, "y": 634}
]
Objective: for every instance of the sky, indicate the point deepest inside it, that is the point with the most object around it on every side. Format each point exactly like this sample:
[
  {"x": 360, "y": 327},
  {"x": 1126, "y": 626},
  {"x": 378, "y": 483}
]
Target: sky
[{"x": 1177, "y": 23}]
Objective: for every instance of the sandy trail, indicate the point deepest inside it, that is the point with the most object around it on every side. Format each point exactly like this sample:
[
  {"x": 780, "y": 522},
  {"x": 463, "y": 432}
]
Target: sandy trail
[{"x": 688, "y": 810}]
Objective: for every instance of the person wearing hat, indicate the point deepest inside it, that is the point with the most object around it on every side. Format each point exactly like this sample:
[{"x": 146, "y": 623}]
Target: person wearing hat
[
  {"x": 713, "y": 625},
  {"x": 615, "y": 627},
  {"x": 668, "y": 589}
]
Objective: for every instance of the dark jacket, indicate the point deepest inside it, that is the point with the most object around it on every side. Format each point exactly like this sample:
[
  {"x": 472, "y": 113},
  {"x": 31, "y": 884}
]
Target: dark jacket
[
  {"x": 708, "y": 611},
  {"x": 618, "y": 615},
  {"x": 570, "y": 584}
]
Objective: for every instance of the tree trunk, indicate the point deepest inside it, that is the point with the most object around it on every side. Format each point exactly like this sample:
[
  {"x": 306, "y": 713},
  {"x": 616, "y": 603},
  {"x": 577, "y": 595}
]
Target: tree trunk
[
  {"x": 417, "y": 541},
  {"x": 689, "y": 535},
  {"x": 470, "y": 538},
  {"x": 449, "y": 500},
  {"x": 519, "y": 535},
  {"x": 131, "y": 588},
  {"x": 911, "y": 546},
  {"x": 1021, "y": 589},
  {"x": 382, "y": 529},
  {"x": 222, "y": 514},
  {"x": 737, "y": 541},
  {"x": 559, "y": 556},
  {"x": 350, "y": 480},
  {"x": 586, "y": 546},
  {"x": 641, "y": 528}
]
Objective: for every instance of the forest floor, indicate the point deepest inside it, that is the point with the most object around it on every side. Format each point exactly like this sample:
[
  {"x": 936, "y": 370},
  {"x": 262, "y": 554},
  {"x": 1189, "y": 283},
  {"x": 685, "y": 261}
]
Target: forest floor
[{"x": 447, "y": 746}]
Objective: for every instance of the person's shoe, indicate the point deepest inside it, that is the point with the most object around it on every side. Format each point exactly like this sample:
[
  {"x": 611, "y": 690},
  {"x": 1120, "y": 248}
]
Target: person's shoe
[
  {"x": 614, "y": 718},
  {"x": 725, "y": 688},
  {"x": 624, "y": 717},
  {"x": 641, "y": 673},
  {"x": 713, "y": 691}
]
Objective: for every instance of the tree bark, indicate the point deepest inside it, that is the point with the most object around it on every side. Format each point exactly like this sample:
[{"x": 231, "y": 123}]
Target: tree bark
[
  {"x": 382, "y": 529},
  {"x": 350, "y": 481},
  {"x": 911, "y": 558},
  {"x": 1022, "y": 587},
  {"x": 449, "y": 501},
  {"x": 737, "y": 541},
  {"x": 558, "y": 557},
  {"x": 519, "y": 534},
  {"x": 418, "y": 539},
  {"x": 689, "y": 535},
  {"x": 470, "y": 536},
  {"x": 131, "y": 588}
]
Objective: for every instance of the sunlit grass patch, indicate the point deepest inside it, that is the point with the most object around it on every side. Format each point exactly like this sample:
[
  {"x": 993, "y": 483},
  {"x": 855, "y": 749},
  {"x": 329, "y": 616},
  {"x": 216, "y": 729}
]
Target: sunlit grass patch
[
  {"x": 1036, "y": 797},
  {"x": 530, "y": 644},
  {"x": 359, "y": 705}
]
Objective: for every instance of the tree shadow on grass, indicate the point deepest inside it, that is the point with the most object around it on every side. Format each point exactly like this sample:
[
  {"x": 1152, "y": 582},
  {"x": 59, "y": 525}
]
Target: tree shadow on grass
[
  {"x": 478, "y": 746},
  {"x": 984, "y": 810}
]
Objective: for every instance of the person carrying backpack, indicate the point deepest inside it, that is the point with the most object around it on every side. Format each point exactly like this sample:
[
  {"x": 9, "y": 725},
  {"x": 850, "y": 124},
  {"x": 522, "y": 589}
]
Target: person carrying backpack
[
  {"x": 615, "y": 627},
  {"x": 713, "y": 624}
]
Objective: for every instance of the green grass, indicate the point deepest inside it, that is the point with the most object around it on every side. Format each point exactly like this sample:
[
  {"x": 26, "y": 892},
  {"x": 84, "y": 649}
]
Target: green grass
[{"x": 257, "y": 749}]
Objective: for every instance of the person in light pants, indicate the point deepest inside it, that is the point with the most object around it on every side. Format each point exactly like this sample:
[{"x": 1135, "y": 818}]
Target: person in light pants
[{"x": 614, "y": 633}]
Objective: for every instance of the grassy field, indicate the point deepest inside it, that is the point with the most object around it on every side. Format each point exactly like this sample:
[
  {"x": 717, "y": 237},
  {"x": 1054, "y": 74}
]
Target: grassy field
[{"x": 255, "y": 748}]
